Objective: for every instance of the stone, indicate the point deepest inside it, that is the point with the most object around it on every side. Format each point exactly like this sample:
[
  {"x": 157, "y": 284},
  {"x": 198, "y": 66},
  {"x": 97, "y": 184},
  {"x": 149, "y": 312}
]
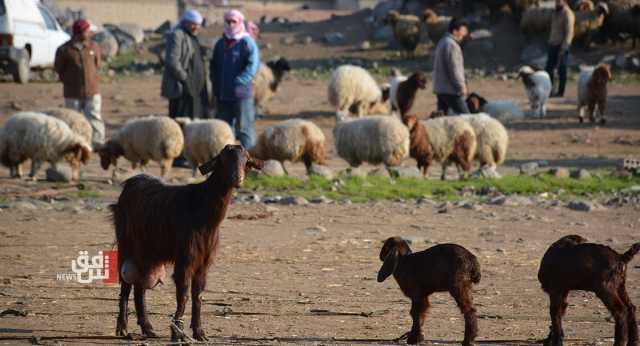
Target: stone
[
  {"x": 23, "y": 205},
  {"x": 294, "y": 201},
  {"x": 272, "y": 168},
  {"x": 560, "y": 172},
  {"x": 365, "y": 45},
  {"x": 307, "y": 40},
  {"x": 334, "y": 38},
  {"x": 581, "y": 174},
  {"x": 134, "y": 30},
  {"x": 59, "y": 175},
  {"x": 272, "y": 199},
  {"x": 107, "y": 43},
  {"x": 529, "y": 168},
  {"x": 515, "y": 201},
  {"x": 320, "y": 200},
  {"x": 315, "y": 231},
  {"x": 443, "y": 208},
  {"x": 355, "y": 172},
  {"x": 481, "y": 34},
  {"x": 584, "y": 206},
  {"x": 383, "y": 34},
  {"x": 405, "y": 172},
  {"x": 322, "y": 171},
  {"x": 500, "y": 200},
  {"x": 288, "y": 40},
  {"x": 379, "y": 172}
]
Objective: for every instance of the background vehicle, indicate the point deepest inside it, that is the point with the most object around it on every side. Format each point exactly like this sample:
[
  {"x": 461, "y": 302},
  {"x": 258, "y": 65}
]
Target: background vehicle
[{"x": 29, "y": 37}]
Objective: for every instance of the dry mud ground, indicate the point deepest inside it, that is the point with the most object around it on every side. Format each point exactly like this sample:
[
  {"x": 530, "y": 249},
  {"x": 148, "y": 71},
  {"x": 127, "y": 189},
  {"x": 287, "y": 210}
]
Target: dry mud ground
[{"x": 277, "y": 278}]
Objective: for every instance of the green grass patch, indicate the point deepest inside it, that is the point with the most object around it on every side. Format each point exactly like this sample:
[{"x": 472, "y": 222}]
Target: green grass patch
[
  {"x": 87, "y": 194},
  {"x": 122, "y": 60},
  {"x": 359, "y": 189}
]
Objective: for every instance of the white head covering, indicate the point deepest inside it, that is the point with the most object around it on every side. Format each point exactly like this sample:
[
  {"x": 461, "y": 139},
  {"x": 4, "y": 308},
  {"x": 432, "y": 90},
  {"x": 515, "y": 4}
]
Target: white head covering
[{"x": 192, "y": 16}]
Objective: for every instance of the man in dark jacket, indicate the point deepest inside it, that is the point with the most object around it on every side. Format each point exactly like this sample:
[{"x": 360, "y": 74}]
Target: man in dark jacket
[
  {"x": 77, "y": 63},
  {"x": 234, "y": 64},
  {"x": 449, "y": 82},
  {"x": 184, "y": 76}
]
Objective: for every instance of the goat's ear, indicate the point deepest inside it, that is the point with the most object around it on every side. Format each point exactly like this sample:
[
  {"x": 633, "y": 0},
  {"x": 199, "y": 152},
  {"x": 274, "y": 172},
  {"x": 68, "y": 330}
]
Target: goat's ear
[
  {"x": 388, "y": 266},
  {"x": 207, "y": 167}
]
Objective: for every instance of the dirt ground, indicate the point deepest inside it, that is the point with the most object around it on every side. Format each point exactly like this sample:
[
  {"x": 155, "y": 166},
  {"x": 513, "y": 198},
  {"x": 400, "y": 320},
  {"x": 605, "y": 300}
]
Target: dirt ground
[{"x": 306, "y": 274}]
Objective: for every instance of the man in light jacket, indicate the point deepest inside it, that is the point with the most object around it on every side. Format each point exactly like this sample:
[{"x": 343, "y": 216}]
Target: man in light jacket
[
  {"x": 233, "y": 66},
  {"x": 449, "y": 82},
  {"x": 184, "y": 77},
  {"x": 562, "y": 22}
]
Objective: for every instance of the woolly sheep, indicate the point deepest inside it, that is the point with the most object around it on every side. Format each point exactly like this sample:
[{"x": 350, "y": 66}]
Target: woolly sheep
[
  {"x": 74, "y": 119},
  {"x": 353, "y": 87},
  {"x": 503, "y": 110},
  {"x": 141, "y": 140},
  {"x": 492, "y": 141},
  {"x": 36, "y": 136},
  {"x": 406, "y": 30},
  {"x": 204, "y": 139},
  {"x": 267, "y": 80},
  {"x": 437, "y": 26},
  {"x": 445, "y": 135},
  {"x": 291, "y": 140},
  {"x": 538, "y": 87},
  {"x": 375, "y": 139}
]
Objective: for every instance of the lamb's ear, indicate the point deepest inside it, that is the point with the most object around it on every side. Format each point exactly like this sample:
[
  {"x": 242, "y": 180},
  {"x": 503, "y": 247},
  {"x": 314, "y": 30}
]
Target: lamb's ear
[{"x": 388, "y": 266}]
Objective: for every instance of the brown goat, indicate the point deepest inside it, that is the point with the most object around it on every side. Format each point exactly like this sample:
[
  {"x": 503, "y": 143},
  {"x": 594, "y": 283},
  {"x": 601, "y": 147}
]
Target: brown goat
[
  {"x": 441, "y": 268},
  {"x": 419, "y": 147},
  {"x": 407, "y": 90},
  {"x": 158, "y": 224},
  {"x": 596, "y": 93},
  {"x": 475, "y": 103},
  {"x": 571, "y": 263}
]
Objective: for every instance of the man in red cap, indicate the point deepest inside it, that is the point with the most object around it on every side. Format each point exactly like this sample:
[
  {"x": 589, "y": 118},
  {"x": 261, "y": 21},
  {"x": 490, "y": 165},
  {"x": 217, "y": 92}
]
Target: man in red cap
[{"x": 77, "y": 64}]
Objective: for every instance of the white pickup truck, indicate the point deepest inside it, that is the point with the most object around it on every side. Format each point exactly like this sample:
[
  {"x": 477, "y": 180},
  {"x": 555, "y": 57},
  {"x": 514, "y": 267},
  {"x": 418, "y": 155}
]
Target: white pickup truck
[{"x": 29, "y": 37}]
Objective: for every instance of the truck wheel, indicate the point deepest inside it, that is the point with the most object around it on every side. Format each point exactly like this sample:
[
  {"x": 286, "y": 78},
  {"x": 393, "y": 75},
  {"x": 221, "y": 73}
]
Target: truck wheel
[{"x": 21, "y": 69}]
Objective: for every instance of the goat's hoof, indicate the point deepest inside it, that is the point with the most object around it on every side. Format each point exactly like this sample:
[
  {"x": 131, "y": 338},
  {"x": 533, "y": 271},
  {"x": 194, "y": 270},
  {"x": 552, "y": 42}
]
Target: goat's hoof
[
  {"x": 199, "y": 335},
  {"x": 415, "y": 338},
  {"x": 121, "y": 331},
  {"x": 148, "y": 332}
]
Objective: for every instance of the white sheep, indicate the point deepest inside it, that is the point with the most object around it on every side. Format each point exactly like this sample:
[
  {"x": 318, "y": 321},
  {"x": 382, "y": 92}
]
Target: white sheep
[
  {"x": 503, "y": 110},
  {"x": 291, "y": 140},
  {"x": 374, "y": 139},
  {"x": 36, "y": 136},
  {"x": 267, "y": 80},
  {"x": 492, "y": 141},
  {"x": 538, "y": 87},
  {"x": 452, "y": 140},
  {"x": 352, "y": 87},
  {"x": 204, "y": 139},
  {"x": 74, "y": 119},
  {"x": 144, "y": 139}
]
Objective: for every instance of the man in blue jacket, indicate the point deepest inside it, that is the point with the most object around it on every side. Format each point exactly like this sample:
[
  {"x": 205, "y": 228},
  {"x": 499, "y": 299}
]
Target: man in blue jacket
[{"x": 234, "y": 63}]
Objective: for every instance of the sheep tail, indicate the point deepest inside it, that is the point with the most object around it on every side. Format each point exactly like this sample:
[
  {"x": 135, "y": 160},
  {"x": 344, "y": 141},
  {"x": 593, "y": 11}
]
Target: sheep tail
[
  {"x": 628, "y": 256},
  {"x": 475, "y": 270}
]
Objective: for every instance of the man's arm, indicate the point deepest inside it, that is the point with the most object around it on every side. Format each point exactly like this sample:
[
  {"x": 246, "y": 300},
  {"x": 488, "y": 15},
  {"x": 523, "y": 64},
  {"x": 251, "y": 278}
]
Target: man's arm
[
  {"x": 172, "y": 57},
  {"x": 58, "y": 64},
  {"x": 568, "y": 27},
  {"x": 251, "y": 68},
  {"x": 456, "y": 68}
]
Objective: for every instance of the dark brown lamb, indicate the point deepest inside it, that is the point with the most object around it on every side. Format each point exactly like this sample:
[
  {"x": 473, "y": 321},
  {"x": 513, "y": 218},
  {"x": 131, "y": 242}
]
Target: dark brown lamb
[
  {"x": 571, "y": 263},
  {"x": 441, "y": 268},
  {"x": 158, "y": 224},
  {"x": 407, "y": 90}
]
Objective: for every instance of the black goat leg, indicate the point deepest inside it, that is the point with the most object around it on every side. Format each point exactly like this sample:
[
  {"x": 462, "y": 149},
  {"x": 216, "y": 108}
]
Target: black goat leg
[
  {"x": 121, "y": 326},
  {"x": 197, "y": 286},
  {"x": 419, "y": 308},
  {"x": 141, "y": 312},
  {"x": 177, "y": 329}
]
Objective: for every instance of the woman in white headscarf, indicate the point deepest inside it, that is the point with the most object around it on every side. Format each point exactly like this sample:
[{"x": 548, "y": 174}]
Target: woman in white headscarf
[{"x": 233, "y": 66}]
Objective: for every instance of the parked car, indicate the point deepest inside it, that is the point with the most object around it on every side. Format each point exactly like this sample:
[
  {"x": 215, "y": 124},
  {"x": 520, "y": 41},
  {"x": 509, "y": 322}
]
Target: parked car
[{"x": 29, "y": 37}]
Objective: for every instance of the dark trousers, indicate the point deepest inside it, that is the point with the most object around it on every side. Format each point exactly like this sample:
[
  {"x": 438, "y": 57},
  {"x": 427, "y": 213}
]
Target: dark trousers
[
  {"x": 189, "y": 106},
  {"x": 557, "y": 60},
  {"x": 454, "y": 102}
]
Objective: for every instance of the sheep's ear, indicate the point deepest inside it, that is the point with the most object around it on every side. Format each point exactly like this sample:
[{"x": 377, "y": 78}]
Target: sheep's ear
[{"x": 388, "y": 266}]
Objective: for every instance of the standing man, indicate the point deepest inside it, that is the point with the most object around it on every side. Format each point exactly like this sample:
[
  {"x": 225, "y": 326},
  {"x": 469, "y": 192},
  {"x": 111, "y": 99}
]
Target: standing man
[
  {"x": 234, "y": 63},
  {"x": 184, "y": 76},
  {"x": 77, "y": 63},
  {"x": 449, "y": 82},
  {"x": 562, "y": 23}
]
